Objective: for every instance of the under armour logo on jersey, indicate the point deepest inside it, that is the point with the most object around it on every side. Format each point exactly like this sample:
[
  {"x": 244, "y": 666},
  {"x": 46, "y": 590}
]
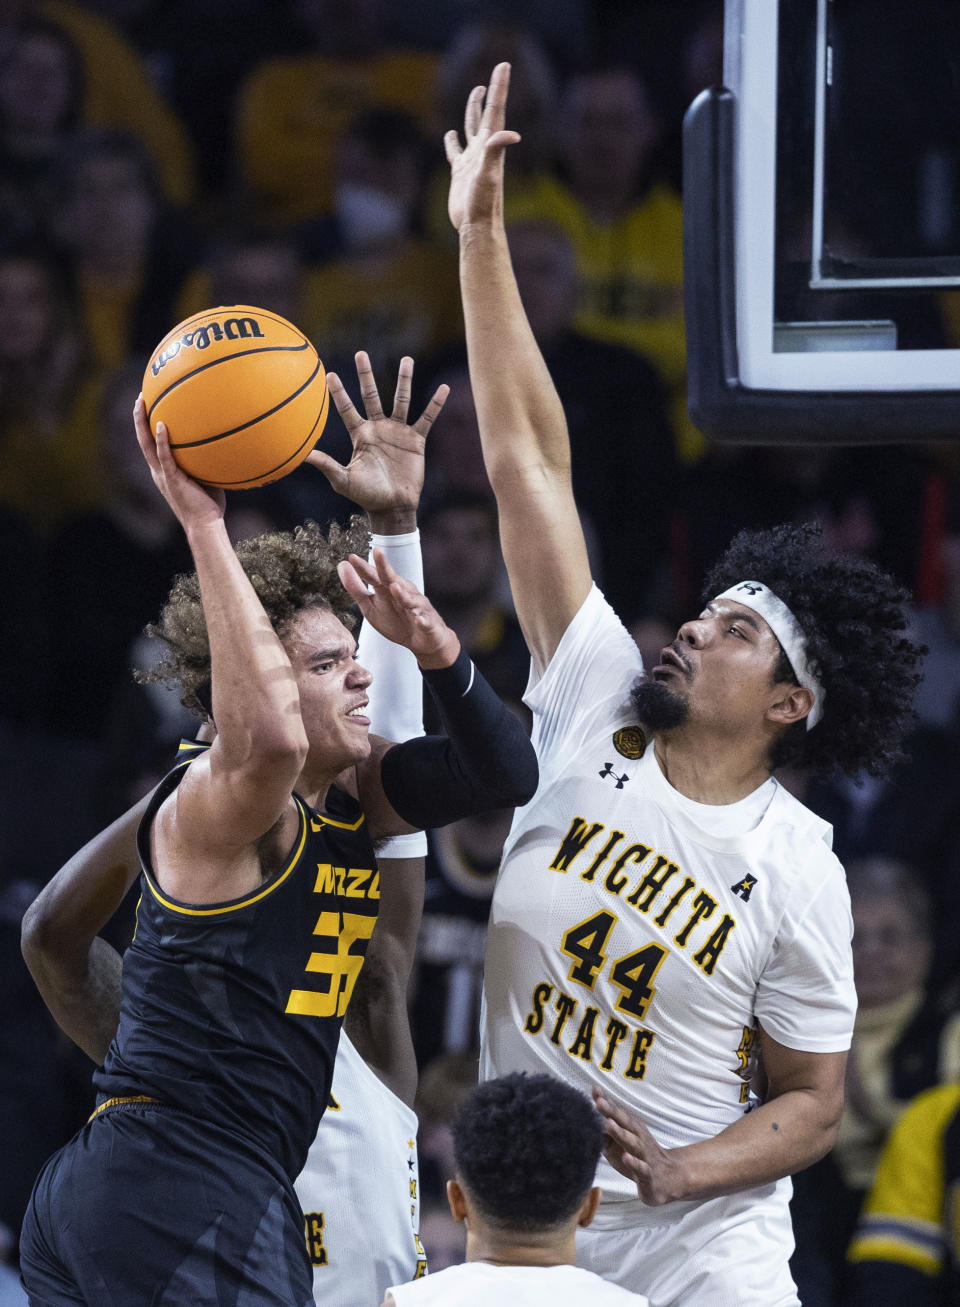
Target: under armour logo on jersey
[
  {"x": 750, "y": 588},
  {"x": 608, "y": 771},
  {"x": 743, "y": 887}
]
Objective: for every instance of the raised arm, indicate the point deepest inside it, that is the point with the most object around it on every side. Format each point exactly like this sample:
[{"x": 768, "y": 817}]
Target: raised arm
[
  {"x": 77, "y": 972},
  {"x": 242, "y": 785},
  {"x": 486, "y": 760},
  {"x": 385, "y": 477},
  {"x": 526, "y": 447}
]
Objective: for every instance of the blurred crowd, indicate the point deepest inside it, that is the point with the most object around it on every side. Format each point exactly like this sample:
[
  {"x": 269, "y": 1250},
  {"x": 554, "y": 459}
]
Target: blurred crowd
[{"x": 156, "y": 159}]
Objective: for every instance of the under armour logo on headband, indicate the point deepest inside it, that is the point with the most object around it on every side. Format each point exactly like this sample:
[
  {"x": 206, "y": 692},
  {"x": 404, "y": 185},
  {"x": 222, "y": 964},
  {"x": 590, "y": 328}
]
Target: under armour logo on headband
[{"x": 751, "y": 588}]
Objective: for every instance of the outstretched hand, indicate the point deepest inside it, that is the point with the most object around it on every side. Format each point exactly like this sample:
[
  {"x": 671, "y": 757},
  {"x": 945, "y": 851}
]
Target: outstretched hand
[
  {"x": 194, "y": 504},
  {"x": 631, "y": 1149},
  {"x": 385, "y": 472},
  {"x": 476, "y": 168},
  {"x": 397, "y": 609}
]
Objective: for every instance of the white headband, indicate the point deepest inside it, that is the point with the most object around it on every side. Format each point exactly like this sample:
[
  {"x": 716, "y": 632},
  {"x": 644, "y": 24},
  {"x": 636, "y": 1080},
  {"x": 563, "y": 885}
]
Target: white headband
[{"x": 787, "y": 629}]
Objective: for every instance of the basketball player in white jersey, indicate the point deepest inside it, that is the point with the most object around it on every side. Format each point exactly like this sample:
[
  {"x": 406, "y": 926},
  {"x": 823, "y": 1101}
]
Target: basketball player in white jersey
[
  {"x": 526, "y": 1149},
  {"x": 360, "y": 1187},
  {"x": 666, "y": 912}
]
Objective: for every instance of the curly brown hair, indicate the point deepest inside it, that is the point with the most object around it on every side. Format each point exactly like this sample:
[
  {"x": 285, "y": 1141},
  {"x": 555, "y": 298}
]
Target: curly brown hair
[
  {"x": 854, "y": 617},
  {"x": 289, "y": 570}
]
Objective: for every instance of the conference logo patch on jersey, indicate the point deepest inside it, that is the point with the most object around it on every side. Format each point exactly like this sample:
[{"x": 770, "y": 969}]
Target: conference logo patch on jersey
[
  {"x": 744, "y": 887},
  {"x": 630, "y": 742},
  {"x": 608, "y": 771}
]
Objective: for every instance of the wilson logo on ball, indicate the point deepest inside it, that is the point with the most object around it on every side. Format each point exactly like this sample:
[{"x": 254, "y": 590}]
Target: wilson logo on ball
[
  {"x": 232, "y": 329},
  {"x": 242, "y": 394}
]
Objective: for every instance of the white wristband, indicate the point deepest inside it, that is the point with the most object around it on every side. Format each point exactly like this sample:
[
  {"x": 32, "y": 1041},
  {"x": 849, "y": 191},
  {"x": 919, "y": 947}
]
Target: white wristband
[{"x": 413, "y": 845}]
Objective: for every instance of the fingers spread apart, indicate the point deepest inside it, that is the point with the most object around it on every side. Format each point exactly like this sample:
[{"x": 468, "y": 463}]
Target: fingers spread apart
[
  {"x": 368, "y": 386},
  {"x": 342, "y": 402},
  {"x": 401, "y": 398},
  {"x": 430, "y": 414}
]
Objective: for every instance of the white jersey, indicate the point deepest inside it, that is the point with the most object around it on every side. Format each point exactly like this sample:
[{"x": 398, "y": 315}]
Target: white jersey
[
  {"x": 477, "y": 1284},
  {"x": 359, "y": 1189},
  {"x": 633, "y": 942}
]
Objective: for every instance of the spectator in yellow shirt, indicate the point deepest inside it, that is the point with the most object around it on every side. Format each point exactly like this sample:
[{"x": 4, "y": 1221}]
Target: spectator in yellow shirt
[
  {"x": 291, "y": 111},
  {"x": 906, "y": 1249}
]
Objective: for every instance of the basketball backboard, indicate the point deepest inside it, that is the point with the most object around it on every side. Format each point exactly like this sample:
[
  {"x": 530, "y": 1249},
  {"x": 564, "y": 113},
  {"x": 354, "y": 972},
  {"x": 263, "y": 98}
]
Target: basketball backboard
[{"x": 821, "y": 225}]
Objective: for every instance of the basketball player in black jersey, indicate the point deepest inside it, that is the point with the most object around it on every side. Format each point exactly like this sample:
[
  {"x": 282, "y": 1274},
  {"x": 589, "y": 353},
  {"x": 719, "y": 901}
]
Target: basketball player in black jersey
[
  {"x": 260, "y": 891},
  {"x": 79, "y": 974}
]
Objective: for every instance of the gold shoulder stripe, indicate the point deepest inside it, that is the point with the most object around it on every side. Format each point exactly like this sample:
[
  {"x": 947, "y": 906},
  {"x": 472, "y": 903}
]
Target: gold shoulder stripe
[{"x": 223, "y": 908}]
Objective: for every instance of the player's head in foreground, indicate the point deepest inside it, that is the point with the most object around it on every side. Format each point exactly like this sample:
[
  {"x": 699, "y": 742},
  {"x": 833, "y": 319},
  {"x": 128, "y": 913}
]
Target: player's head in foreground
[
  {"x": 799, "y": 648},
  {"x": 526, "y": 1150},
  {"x": 294, "y": 574}
]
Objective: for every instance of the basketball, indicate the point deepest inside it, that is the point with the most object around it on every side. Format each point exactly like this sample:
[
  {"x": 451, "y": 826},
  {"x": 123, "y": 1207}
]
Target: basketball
[{"x": 242, "y": 394}]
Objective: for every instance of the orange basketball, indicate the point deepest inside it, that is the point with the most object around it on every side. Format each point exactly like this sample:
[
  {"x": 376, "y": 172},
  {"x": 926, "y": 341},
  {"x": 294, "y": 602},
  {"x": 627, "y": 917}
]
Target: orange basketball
[{"x": 241, "y": 392}]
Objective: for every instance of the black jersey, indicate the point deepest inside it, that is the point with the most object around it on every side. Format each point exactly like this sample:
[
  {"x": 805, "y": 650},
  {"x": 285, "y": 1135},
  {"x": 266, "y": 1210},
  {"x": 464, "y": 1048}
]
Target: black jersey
[{"x": 233, "y": 1011}]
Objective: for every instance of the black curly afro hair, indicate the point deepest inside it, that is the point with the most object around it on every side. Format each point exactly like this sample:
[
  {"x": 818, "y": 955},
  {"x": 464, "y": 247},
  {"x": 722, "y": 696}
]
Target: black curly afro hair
[
  {"x": 854, "y": 619},
  {"x": 289, "y": 570},
  {"x": 527, "y": 1148}
]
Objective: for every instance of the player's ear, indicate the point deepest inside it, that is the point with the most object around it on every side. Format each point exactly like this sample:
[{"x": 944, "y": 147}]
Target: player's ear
[
  {"x": 457, "y": 1200},
  {"x": 588, "y": 1209},
  {"x": 791, "y": 707}
]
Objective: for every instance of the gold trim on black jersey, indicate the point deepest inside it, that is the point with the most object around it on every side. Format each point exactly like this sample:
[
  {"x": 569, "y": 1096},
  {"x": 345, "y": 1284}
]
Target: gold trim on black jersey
[
  {"x": 113, "y": 1102},
  {"x": 236, "y": 905},
  {"x": 321, "y": 820}
]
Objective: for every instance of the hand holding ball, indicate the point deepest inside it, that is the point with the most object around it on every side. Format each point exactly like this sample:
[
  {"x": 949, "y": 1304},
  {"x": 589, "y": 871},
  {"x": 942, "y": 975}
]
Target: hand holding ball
[{"x": 241, "y": 392}]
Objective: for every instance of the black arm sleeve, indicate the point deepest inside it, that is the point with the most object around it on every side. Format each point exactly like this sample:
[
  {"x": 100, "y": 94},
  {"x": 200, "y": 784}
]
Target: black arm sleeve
[{"x": 485, "y": 761}]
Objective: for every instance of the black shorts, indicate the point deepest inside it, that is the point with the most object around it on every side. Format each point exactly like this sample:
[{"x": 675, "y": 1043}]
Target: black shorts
[{"x": 148, "y": 1206}]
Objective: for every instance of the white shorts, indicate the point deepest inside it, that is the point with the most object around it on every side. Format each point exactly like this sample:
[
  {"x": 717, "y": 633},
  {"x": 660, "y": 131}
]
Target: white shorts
[{"x": 726, "y": 1252}]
